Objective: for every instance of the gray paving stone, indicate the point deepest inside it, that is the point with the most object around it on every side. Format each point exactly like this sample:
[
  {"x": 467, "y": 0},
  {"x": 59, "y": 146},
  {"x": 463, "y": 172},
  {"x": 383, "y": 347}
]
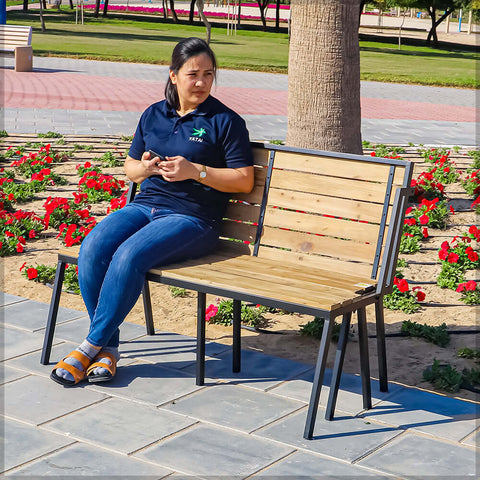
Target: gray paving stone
[
  {"x": 19, "y": 342},
  {"x": 147, "y": 383},
  {"x": 259, "y": 371},
  {"x": 8, "y": 374},
  {"x": 314, "y": 467},
  {"x": 349, "y": 398},
  {"x": 169, "y": 349},
  {"x": 77, "y": 330},
  {"x": 346, "y": 438},
  {"x": 214, "y": 452},
  {"x": 7, "y": 299},
  {"x": 235, "y": 407},
  {"x": 427, "y": 412},
  {"x": 120, "y": 425},
  {"x": 23, "y": 443},
  {"x": 417, "y": 456},
  {"x": 473, "y": 440},
  {"x": 32, "y": 315},
  {"x": 36, "y": 400},
  {"x": 79, "y": 461}
]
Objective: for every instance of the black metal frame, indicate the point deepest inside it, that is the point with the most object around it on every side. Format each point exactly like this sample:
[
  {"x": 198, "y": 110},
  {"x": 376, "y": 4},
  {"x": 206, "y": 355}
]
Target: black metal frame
[{"x": 384, "y": 285}]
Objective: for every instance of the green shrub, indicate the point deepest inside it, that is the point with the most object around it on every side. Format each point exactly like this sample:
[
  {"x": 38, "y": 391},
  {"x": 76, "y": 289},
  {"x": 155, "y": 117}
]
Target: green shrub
[
  {"x": 314, "y": 329},
  {"x": 437, "y": 335}
]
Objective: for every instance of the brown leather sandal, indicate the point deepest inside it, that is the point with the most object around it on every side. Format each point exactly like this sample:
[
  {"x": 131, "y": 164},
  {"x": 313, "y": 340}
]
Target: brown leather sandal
[
  {"x": 78, "y": 375},
  {"x": 111, "y": 369}
]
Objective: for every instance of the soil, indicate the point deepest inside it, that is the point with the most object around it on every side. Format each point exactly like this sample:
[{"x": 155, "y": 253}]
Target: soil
[{"x": 407, "y": 357}]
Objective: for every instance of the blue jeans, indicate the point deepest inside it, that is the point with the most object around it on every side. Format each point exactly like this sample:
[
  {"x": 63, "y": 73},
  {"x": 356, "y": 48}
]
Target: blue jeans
[{"x": 119, "y": 251}]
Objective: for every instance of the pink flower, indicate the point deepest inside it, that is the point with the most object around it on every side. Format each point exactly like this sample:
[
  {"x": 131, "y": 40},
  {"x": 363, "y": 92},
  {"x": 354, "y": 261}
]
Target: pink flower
[{"x": 210, "y": 312}]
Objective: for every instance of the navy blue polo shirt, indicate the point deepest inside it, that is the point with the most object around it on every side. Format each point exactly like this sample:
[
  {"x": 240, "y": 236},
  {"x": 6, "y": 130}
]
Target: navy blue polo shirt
[{"x": 212, "y": 135}]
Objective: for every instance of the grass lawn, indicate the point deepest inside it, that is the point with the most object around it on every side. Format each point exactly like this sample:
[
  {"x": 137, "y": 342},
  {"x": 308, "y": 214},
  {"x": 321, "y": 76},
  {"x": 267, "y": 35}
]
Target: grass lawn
[{"x": 150, "y": 39}]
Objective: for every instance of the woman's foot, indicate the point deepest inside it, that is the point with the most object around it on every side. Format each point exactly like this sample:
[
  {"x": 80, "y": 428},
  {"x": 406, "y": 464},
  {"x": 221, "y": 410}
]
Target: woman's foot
[
  {"x": 72, "y": 369},
  {"x": 104, "y": 365}
]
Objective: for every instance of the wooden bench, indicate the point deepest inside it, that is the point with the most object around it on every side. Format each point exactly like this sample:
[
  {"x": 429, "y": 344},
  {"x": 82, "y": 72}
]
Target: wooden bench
[
  {"x": 17, "y": 40},
  {"x": 319, "y": 235}
]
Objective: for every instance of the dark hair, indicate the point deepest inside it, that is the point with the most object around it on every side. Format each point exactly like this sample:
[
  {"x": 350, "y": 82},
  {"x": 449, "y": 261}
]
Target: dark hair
[{"x": 183, "y": 51}]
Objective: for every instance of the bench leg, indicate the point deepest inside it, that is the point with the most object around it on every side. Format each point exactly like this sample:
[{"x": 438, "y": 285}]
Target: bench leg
[
  {"x": 318, "y": 378},
  {"x": 147, "y": 308},
  {"x": 201, "y": 307},
  {"x": 364, "y": 359},
  {"x": 381, "y": 347},
  {"x": 23, "y": 59},
  {"x": 338, "y": 366},
  {"x": 237, "y": 339},
  {"x": 52, "y": 313}
]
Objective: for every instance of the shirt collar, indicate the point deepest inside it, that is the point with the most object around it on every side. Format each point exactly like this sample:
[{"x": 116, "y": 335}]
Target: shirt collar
[{"x": 201, "y": 110}]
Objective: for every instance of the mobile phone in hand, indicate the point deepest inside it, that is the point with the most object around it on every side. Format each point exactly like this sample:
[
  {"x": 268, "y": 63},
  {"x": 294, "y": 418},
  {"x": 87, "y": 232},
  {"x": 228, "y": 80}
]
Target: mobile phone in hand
[{"x": 154, "y": 154}]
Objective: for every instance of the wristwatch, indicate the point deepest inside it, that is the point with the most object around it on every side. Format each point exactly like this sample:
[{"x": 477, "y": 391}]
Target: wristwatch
[{"x": 203, "y": 173}]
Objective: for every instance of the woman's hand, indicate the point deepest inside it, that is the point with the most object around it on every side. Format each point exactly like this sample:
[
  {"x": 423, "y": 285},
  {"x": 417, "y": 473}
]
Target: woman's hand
[{"x": 176, "y": 169}]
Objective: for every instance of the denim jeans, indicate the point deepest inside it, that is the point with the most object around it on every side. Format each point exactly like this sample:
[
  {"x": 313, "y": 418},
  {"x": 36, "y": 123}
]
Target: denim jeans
[{"x": 119, "y": 251}]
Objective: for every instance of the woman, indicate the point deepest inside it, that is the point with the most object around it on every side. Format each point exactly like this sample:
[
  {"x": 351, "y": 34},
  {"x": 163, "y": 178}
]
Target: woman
[{"x": 188, "y": 151}]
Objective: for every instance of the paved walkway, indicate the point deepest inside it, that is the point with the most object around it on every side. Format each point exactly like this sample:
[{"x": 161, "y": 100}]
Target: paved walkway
[
  {"x": 152, "y": 421},
  {"x": 92, "y": 97}
]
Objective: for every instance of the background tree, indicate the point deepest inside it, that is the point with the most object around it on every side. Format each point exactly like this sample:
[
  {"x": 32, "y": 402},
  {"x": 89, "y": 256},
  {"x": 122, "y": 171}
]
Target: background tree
[
  {"x": 324, "y": 76},
  {"x": 204, "y": 20}
]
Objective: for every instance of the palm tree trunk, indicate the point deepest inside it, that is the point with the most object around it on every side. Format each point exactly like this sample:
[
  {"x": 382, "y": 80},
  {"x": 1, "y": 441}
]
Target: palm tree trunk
[{"x": 324, "y": 76}]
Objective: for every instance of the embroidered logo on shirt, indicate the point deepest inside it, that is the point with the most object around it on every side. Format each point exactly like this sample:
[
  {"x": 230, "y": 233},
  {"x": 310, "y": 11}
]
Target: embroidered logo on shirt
[{"x": 197, "y": 135}]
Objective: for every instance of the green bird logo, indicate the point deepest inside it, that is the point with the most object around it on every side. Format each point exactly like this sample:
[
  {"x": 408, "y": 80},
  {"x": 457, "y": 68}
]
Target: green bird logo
[{"x": 198, "y": 132}]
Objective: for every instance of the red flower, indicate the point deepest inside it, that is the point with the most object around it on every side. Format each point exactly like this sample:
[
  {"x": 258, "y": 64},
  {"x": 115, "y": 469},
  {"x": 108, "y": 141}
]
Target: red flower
[
  {"x": 401, "y": 284},
  {"x": 32, "y": 234},
  {"x": 19, "y": 247},
  {"x": 32, "y": 273},
  {"x": 9, "y": 234},
  {"x": 425, "y": 232},
  {"x": 420, "y": 296},
  {"x": 471, "y": 286},
  {"x": 452, "y": 257},
  {"x": 23, "y": 266},
  {"x": 452, "y": 210},
  {"x": 424, "y": 219}
]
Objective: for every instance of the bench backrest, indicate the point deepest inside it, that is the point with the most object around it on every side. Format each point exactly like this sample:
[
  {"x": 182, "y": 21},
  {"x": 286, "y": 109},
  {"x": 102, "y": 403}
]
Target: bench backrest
[
  {"x": 321, "y": 209},
  {"x": 12, "y": 36},
  {"x": 334, "y": 211}
]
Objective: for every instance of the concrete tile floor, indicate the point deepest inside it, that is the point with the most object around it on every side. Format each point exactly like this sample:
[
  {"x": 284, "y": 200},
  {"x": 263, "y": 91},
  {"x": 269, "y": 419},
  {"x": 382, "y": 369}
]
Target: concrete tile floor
[{"x": 152, "y": 421}]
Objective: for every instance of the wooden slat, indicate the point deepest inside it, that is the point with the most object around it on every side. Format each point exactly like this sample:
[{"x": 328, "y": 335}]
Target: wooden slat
[
  {"x": 329, "y": 186},
  {"x": 260, "y": 156},
  {"x": 255, "y": 196},
  {"x": 12, "y": 36},
  {"x": 242, "y": 212},
  {"x": 306, "y": 261},
  {"x": 218, "y": 278},
  {"x": 361, "y": 232},
  {"x": 336, "y": 167},
  {"x": 315, "y": 244},
  {"x": 339, "y": 207},
  {"x": 239, "y": 231}
]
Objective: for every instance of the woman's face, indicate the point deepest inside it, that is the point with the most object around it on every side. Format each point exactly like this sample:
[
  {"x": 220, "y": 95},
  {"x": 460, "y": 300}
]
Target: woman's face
[{"x": 194, "y": 81}]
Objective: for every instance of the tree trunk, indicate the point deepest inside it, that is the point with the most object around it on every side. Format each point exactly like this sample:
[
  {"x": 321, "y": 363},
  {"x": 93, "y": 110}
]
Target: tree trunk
[
  {"x": 105, "y": 8},
  {"x": 262, "y": 5},
  {"x": 204, "y": 20},
  {"x": 71, "y": 4},
  {"x": 97, "y": 8},
  {"x": 324, "y": 76},
  {"x": 42, "y": 20},
  {"x": 277, "y": 16},
  {"x": 435, "y": 23},
  {"x": 174, "y": 13},
  {"x": 192, "y": 11},
  {"x": 25, "y": 5}
]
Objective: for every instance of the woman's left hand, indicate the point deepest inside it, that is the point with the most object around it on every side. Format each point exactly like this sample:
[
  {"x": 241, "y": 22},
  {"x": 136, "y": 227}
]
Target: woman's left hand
[{"x": 176, "y": 169}]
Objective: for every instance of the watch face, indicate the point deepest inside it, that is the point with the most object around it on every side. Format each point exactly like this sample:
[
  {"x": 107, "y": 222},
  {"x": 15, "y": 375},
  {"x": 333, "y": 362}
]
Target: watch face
[{"x": 203, "y": 174}]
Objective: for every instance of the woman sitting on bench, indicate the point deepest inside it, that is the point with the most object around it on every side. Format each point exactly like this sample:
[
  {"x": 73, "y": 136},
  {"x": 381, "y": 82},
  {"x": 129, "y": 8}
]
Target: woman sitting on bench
[{"x": 187, "y": 152}]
